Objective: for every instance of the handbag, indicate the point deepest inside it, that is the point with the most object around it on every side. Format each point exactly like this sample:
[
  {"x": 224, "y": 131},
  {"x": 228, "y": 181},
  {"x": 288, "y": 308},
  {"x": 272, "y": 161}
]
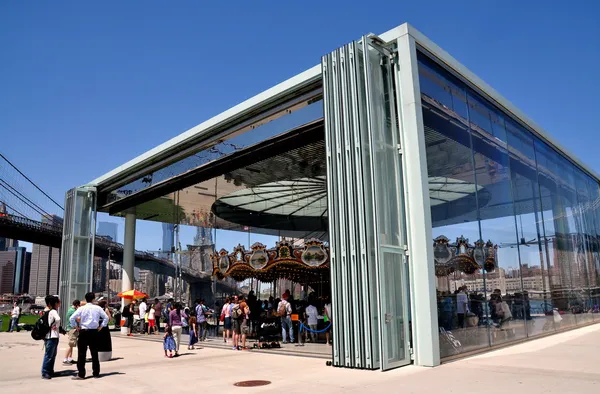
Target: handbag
[{"x": 222, "y": 318}]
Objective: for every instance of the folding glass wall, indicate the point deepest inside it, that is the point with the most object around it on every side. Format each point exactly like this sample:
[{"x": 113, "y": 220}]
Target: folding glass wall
[
  {"x": 79, "y": 230},
  {"x": 515, "y": 223}
]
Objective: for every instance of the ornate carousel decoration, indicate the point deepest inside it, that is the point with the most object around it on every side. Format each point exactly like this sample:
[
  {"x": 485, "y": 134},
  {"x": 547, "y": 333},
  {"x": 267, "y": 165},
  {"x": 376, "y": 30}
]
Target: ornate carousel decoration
[
  {"x": 462, "y": 256},
  {"x": 308, "y": 263}
]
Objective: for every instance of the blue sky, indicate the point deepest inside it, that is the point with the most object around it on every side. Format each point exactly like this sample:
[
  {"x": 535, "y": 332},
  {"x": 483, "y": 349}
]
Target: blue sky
[{"x": 86, "y": 86}]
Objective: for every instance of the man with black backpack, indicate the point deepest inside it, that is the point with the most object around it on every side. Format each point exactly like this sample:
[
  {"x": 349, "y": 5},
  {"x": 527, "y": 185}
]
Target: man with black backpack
[{"x": 47, "y": 328}]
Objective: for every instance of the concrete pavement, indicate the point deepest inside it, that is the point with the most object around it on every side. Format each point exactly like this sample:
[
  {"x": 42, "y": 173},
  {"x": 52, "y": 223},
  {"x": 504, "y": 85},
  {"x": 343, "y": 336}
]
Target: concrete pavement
[{"x": 566, "y": 362}]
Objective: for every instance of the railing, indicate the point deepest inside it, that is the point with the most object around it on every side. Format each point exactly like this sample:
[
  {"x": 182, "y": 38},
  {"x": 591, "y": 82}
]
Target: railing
[{"x": 30, "y": 224}]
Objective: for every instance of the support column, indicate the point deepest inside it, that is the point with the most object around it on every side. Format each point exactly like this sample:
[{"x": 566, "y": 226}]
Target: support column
[
  {"x": 79, "y": 230},
  {"x": 128, "y": 257},
  {"x": 425, "y": 331}
]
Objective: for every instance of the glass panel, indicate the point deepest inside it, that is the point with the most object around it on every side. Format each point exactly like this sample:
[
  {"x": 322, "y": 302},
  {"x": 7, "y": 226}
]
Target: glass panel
[
  {"x": 393, "y": 285},
  {"x": 369, "y": 219},
  {"x": 584, "y": 262},
  {"x": 594, "y": 215},
  {"x": 484, "y": 119},
  {"x": 534, "y": 272},
  {"x": 453, "y": 199},
  {"x": 503, "y": 279},
  {"x": 390, "y": 218},
  {"x": 216, "y": 148},
  {"x": 538, "y": 214},
  {"x": 556, "y": 233}
]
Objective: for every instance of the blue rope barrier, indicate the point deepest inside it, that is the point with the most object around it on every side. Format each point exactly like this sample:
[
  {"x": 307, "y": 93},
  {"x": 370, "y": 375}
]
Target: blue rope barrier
[{"x": 303, "y": 327}]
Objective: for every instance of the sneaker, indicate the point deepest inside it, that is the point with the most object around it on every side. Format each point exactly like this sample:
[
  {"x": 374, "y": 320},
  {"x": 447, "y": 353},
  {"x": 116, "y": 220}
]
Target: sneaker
[
  {"x": 77, "y": 378},
  {"x": 73, "y": 362},
  {"x": 46, "y": 376},
  {"x": 234, "y": 348},
  {"x": 67, "y": 363}
]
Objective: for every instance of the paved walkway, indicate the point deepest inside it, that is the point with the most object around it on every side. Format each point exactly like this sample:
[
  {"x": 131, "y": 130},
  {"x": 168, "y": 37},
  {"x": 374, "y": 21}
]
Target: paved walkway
[{"x": 567, "y": 362}]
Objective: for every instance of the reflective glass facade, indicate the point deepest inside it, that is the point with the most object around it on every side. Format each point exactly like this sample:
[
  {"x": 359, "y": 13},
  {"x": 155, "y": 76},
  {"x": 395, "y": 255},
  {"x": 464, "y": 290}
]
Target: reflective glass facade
[{"x": 515, "y": 223}]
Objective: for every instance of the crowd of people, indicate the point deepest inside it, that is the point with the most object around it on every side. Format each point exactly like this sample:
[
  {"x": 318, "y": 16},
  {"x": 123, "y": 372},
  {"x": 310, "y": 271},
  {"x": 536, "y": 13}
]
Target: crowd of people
[
  {"x": 242, "y": 317},
  {"x": 87, "y": 324},
  {"x": 455, "y": 309}
]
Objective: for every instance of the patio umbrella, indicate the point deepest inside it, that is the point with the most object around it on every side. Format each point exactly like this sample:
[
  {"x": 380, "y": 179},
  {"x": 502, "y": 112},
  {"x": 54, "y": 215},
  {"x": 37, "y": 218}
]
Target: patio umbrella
[{"x": 132, "y": 295}]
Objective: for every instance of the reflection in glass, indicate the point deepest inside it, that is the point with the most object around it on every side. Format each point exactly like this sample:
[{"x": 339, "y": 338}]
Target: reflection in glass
[
  {"x": 461, "y": 292},
  {"x": 593, "y": 215},
  {"x": 497, "y": 222},
  {"x": 216, "y": 148},
  {"x": 534, "y": 272},
  {"x": 518, "y": 253}
]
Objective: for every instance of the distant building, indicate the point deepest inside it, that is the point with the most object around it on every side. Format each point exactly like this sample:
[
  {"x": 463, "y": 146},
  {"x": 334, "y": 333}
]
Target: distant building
[
  {"x": 45, "y": 270},
  {"x": 110, "y": 230},
  {"x": 99, "y": 275},
  {"x": 115, "y": 285},
  {"x": 197, "y": 257},
  {"x": 6, "y": 243},
  {"x": 7, "y": 271},
  {"x": 146, "y": 283},
  {"x": 168, "y": 237},
  {"x": 22, "y": 270},
  {"x": 53, "y": 220},
  {"x": 203, "y": 236}
]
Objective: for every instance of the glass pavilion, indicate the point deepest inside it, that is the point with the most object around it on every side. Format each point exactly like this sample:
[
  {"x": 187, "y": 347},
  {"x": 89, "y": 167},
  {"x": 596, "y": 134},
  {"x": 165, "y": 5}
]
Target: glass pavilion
[{"x": 455, "y": 223}]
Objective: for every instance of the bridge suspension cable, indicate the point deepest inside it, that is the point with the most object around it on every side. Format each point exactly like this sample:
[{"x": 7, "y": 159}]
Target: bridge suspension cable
[{"x": 21, "y": 196}]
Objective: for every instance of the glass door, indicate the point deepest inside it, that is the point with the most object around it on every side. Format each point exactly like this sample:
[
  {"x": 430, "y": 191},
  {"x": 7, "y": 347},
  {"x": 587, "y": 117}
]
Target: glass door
[{"x": 379, "y": 68}]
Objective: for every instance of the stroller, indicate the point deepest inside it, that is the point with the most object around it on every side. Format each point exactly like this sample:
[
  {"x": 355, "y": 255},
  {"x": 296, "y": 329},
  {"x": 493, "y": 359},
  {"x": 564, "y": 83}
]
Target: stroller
[{"x": 268, "y": 332}]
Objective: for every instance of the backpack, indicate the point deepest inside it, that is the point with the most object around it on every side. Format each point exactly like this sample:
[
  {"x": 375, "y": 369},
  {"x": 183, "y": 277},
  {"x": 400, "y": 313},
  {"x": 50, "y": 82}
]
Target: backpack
[
  {"x": 41, "y": 327},
  {"x": 237, "y": 312},
  {"x": 282, "y": 310}
]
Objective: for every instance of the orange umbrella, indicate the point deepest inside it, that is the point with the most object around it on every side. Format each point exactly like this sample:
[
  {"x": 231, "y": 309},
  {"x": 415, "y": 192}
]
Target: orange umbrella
[{"x": 132, "y": 295}]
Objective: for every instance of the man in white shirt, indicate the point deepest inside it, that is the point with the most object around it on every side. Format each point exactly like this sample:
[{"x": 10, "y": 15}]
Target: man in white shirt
[
  {"x": 88, "y": 326},
  {"x": 142, "y": 310},
  {"x": 312, "y": 319},
  {"x": 462, "y": 305},
  {"x": 14, "y": 318}
]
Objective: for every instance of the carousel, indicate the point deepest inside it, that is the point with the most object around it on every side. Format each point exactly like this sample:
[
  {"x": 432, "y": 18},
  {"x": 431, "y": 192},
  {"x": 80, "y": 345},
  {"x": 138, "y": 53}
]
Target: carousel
[
  {"x": 306, "y": 263},
  {"x": 461, "y": 256}
]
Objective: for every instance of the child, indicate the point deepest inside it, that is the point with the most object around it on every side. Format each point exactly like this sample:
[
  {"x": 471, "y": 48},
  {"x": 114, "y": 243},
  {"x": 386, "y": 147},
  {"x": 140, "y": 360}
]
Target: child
[
  {"x": 152, "y": 320},
  {"x": 146, "y": 317},
  {"x": 168, "y": 341},
  {"x": 193, "y": 331}
]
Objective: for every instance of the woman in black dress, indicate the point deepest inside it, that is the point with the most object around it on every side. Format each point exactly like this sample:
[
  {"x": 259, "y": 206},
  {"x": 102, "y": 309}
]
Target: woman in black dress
[{"x": 104, "y": 341}]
